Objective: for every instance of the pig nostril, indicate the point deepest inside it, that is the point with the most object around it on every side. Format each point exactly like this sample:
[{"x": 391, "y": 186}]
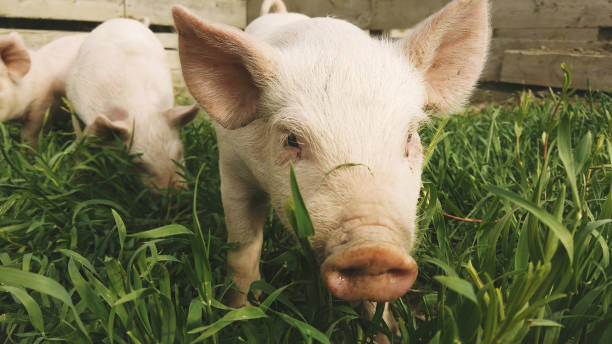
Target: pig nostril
[
  {"x": 350, "y": 272},
  {"x": 356, "y": 272},
  {"x": 398, "y": 272}
]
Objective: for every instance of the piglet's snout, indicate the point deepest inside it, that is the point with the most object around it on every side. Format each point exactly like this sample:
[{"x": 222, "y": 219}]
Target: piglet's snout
[{"x": 376, "y": 273}]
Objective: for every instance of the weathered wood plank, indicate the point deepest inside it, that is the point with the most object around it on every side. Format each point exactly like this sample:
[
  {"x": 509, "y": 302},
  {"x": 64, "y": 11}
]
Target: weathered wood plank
[
  {"x": 402, "y": 14},
  {"x": 357, "y": 12},
  {"x": 538, "y": 67},
  {"x": 34, "y": 39},
  {"x": 231, "y": 12},
  {"x": 551, "y": 13},
  {"x": 498, "y": 46},
  {"x": 574, "y": 34},
  {"x": 169, "y": 40},
  {"x": 180, "y": 89},
  {"x": 173, "y": 59},
  {"x": 399, "y": 14},
  {"x": 86, "y": 10}
]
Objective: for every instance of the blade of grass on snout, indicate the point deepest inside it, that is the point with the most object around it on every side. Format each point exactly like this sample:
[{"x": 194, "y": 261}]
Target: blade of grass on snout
[
  {"x": 303, "y": 223},
  {"x": 557, "y": 227},
  {"x": 296, "y": 211}
]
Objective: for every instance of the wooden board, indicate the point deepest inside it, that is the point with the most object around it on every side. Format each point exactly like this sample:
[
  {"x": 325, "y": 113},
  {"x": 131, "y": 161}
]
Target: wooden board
[
  {"x": 402, "y": 14},
  {"x": 35, "y": 39},
  {"x": 551, "y": 13},
  {"x": 180, "y": 89},
  {"x": 169, "y": 40},
  {"x": 538, "y": 67},
  {"x": 231, "y": 12},
  {"x": 357, "y": 12},
  {"x": 367, "y": 14},
  {"x": 506, "y": 14},
  {"x": 492, "y": 71},
  {"x": 173, "y": 59},
  {"x": 573, "y": 34},
  {"x": 86, "y": 10}
]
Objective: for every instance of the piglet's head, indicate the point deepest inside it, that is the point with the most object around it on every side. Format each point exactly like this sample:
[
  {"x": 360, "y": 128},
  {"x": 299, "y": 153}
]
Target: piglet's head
[
  {"x": 157, "y": 140},
  {"x": 14, "y": 65},
  {"x": 345, "y": 109}
]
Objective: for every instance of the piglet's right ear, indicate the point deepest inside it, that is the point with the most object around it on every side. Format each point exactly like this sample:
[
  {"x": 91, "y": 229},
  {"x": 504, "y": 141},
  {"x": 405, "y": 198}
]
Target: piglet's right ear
[
  {"x": 14, "y": 55},
  {"x": 223, "y": 67}
]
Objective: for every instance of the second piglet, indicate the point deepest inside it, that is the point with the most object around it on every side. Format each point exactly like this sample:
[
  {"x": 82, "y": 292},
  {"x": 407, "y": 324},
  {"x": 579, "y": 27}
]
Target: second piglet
[{"x": 120, "y": 86}]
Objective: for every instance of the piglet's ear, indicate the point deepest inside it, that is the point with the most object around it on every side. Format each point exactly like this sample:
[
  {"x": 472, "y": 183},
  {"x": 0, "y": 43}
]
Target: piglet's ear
[
  {"x": 107, "y": 129},
  {"x": 14, "y": 55},
  {"x": 223, "y": 67},
  {"x": 181, "y": 116},
  {"x": 450, "y": 49}
]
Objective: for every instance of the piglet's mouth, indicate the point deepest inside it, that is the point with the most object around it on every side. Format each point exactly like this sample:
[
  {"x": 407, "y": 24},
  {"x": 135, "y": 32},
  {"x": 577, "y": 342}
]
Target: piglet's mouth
[{"x": 380, "y": 272}]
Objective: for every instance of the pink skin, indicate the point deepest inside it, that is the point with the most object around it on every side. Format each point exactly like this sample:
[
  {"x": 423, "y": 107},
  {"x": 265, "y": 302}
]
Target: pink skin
[{"x": 319, "y": 93}]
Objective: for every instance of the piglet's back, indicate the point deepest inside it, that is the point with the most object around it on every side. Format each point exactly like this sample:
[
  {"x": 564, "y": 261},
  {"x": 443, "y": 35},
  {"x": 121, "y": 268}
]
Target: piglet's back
[{"x": 121, "y": 60}]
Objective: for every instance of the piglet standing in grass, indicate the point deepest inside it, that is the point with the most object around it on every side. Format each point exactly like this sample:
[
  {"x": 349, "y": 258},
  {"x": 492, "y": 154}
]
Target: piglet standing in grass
[
  {"x": 120, "y": 86},
  {"x": 33, "y": 82},
  {"x": 320, "y": 93}
]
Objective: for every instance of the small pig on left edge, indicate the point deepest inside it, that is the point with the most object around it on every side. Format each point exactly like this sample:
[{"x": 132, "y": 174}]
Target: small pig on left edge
[
  {"x": 121, "y": 86},
  {"x": 32, "y": 82}
]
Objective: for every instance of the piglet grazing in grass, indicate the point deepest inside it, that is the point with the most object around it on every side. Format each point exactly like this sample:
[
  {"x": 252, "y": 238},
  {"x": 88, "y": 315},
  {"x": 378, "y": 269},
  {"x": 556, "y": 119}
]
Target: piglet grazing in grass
[
  {"x": 320, "y": 93},
  {"x": 33, "y": 82},
  {"x": 120, "y": 86}
]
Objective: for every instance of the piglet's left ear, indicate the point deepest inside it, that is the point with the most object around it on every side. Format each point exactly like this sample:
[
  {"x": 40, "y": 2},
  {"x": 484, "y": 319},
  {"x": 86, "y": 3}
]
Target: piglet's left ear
[
  {"x": 181, "y": 116},
  {"x": 450, "y": 49},
  {"x": 14, "y": 55}
]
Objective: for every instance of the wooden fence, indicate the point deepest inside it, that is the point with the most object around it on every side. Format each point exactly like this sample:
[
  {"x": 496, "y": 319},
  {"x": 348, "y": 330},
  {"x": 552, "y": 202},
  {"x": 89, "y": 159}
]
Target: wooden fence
[
  {"x": 28, "y": 17},
  {"x": 530, "y": 39}
]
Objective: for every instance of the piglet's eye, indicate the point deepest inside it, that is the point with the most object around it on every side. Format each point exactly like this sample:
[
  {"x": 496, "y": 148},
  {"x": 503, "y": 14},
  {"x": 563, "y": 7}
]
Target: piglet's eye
[
  {"x": 292, "y": 141},
  {"x": 292, "y": 149}
]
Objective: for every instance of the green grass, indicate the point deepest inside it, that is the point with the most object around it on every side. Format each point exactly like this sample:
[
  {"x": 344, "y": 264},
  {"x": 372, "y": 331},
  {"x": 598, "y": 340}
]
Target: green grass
[{"x": 87, "y": 254}]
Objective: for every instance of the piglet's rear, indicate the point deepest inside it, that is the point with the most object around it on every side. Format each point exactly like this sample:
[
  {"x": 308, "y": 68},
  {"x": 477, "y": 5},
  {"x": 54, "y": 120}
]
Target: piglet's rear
[{"x": 345, "y": 109}]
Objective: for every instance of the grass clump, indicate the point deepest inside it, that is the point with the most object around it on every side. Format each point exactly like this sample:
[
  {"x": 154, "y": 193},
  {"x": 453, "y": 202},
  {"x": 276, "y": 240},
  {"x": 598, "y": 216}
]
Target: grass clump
[{"x": 88, "y": 254}]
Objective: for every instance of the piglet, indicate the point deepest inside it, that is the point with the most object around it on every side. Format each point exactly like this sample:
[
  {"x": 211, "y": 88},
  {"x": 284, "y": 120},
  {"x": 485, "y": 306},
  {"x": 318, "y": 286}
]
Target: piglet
[
  {"x": 120, "y": 86},
  {"x": 345, "y": 110},
  {"x": 33, "y": 82}
]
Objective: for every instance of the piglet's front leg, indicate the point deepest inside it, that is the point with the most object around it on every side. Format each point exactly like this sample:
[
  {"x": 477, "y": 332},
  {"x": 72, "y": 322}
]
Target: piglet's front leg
[
  {"x": 33, "y": 121},
  {"x": 245, "y": 213}
]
